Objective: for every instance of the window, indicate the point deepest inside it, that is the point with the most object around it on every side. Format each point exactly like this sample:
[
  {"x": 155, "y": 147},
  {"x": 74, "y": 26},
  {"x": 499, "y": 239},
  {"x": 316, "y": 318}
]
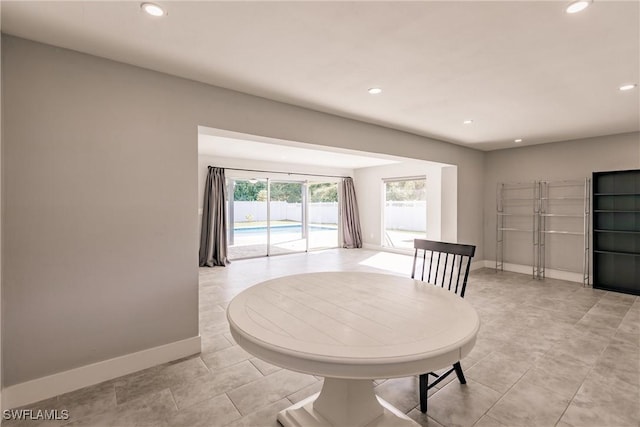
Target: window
[{"x": 405, "y": 211}]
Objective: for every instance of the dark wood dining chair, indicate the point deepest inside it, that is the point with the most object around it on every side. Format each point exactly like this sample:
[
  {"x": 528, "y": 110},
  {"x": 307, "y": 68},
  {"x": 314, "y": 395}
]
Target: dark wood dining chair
[{"x": 446, "y": 265}]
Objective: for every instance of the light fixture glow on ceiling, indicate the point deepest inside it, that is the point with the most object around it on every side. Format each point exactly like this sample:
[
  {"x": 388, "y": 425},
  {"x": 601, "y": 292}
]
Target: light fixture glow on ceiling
[
  {"x": 152, "y": 9},
  {"x": 517, "y": 140},
  {"x": 628, "y": 87},
  {"x": 577, "y": 6},
  {"x": 374, "y": 90},
  {"x": 468, "y": 122}
]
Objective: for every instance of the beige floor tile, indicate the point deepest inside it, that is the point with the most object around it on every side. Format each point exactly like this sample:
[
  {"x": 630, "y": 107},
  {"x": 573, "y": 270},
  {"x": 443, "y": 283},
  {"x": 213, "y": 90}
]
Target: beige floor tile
[
  {"x": 149, "y": 410},
  {"x": 527, "y": 348},
  {"x": 305, "y": 392},
  {"x": 224, "y": 358},
  {"x": 498, "y": 371},
  {"x": 265, "y": 368},
  {"x": 630, "y": 338},
  {"x": 487, "y": 421},
  {"x": 265, "y": 417},
  {"x": 631, "y": 323},
  {"x": 585, "y": 346},
  {"x": 457, "y": 405},
  {"x": 400, "y": 392},
  {"x": 529, "y": 404},
  {"x": 423, "y": 419},
  {"x": 165, "y": 376},
  {"x": 214, "y": 384},
  {"x": 619, "y": 297},
  {"x": 214, "y": 343},
  {"x": 620, "y": 361},
  {"x": 268, "y": 389},
  {"x": 599, "y": 324},
  {"x": 216, "y": 411},
  {"x": 603, "y": 401},
  {"x": 228, "y": 336},
  {"x": 90, "y": 400},
  {"x": 560, "y": 375},
  {"x": 611, "y": 308}
]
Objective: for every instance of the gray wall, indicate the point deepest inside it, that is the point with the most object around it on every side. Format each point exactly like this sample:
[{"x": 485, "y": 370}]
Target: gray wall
[
  {"x": 100, "y": 175},
  {"x": 565, "y": 160}
]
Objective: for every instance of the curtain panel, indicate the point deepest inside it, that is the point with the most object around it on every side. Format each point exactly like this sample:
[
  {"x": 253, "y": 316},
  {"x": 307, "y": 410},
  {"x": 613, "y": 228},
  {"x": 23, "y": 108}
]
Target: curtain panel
[
  {"x": 351, "y": 232},
  {"x": 213, "y": 236}
]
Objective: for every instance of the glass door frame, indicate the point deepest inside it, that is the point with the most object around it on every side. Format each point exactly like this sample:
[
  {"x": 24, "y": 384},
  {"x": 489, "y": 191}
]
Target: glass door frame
[{"x": 305, "y": 194}]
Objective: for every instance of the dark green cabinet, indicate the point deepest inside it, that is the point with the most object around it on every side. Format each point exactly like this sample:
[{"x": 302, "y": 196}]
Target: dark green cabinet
[{"x": 616, "y": 231}]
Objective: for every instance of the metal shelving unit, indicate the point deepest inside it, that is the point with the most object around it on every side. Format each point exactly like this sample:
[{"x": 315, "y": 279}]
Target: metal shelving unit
[
  {"x": 565, "y": 214},
  {"x": 553, "y": 210},
  {"x": 516, "y": 209}
]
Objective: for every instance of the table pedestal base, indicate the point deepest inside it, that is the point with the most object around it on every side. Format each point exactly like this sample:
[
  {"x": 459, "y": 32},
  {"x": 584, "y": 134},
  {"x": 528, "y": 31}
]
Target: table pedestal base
[{"x": 344, "y": 403}]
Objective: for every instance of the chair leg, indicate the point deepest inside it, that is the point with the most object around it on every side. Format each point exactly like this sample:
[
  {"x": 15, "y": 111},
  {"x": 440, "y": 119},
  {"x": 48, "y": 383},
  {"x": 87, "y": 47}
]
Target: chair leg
[
  {"x": 459, "y": 373},
  {"x": 424, "y": 391}
]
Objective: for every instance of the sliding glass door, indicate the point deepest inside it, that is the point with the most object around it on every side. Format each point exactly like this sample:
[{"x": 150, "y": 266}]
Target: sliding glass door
[
  {"x": 323, "y": 215},
  {"x": 287, "y": 231},
  {"x": 273, "y": 217},
  {"x": 247, "y": 229}
]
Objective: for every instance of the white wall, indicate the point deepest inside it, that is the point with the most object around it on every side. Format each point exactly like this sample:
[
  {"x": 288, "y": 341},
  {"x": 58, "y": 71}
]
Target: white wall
[
  {"x": 100, "y": 172},
  {"x": 566, "y": 160},
  {"x": 100, "y": 199}
]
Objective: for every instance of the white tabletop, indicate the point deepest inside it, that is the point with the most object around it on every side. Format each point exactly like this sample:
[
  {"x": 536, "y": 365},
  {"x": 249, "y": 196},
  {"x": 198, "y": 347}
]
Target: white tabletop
[{"x": 353, "y": 325}]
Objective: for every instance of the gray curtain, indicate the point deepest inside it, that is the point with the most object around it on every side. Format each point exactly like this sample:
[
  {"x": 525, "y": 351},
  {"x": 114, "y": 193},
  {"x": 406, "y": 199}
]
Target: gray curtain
[
  {"x": 351, "y": 233},
  {"x": 213, "y": 236}
]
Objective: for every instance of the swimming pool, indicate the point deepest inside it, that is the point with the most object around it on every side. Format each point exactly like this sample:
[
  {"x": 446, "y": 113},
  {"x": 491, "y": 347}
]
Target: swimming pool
[{"x": 279, "y": 229}]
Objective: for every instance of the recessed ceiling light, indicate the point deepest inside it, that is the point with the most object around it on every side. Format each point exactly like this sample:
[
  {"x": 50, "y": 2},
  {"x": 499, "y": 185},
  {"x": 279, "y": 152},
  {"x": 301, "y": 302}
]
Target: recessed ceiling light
[
  {"x": 152, "y": 9},
  {"x": 374, "y": 90},
  {"x": 628, "y": 87},
  {"x": 577, "y": 6},
  {"x": 468, "y": 122},
  {"x": 517, "y": 140}
]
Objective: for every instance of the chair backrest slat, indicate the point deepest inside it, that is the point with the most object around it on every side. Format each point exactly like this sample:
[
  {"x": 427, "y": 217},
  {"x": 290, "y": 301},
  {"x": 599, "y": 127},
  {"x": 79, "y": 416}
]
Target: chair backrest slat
[
  {"x": 424, "y": 257},
  {"x": 458, "y": 276},
  {"x": 435, "y": 248}
]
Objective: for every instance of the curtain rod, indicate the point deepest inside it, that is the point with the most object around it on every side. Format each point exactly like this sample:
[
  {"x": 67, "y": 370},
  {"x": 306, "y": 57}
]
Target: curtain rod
[{"x": 285, "y": 173}]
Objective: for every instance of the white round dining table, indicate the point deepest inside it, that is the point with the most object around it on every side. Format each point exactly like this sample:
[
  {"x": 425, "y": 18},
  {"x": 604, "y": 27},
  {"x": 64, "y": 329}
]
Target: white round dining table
[{"x": 352, "y": 327}]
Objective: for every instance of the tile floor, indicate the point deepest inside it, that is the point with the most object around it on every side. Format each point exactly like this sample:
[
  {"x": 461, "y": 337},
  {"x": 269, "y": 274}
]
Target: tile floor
[{"x": 549, "y": 353}]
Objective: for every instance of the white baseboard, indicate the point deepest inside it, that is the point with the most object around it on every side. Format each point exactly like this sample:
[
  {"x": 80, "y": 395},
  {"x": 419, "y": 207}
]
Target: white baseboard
[
  {"x": 548, "y": 272},
  {"x": 73, "y": 379}
]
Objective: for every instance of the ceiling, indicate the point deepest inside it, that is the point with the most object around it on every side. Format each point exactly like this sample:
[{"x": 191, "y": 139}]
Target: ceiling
[
  {"x": 518, "y": 69},
  {"x": 278, "y": 152}
]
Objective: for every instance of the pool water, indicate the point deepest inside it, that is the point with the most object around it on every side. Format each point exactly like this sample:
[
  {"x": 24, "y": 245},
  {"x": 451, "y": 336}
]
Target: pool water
[{"x": 279, "y": 229}]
